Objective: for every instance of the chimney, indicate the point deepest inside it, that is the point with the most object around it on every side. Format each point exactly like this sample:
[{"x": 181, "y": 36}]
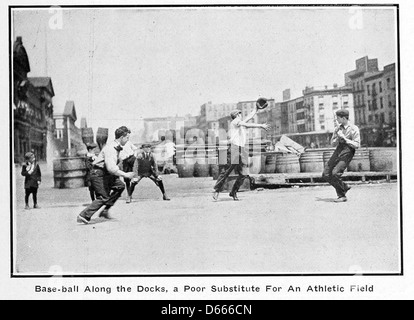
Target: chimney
[{"x": 286, "y": 94}]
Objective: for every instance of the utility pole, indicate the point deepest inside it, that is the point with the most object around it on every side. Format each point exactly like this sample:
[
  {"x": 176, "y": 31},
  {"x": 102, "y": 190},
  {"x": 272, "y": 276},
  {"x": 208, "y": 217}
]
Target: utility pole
[{"x": 90, "y": 71}]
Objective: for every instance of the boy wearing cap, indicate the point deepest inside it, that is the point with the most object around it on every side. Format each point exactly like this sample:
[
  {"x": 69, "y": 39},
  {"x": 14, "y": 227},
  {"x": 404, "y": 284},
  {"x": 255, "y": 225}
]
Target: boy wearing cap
[
  {"x": 346, "y": 139},
  {"x": 104, "y": 177},
  {"x": 145, "y": 166},
  {"x": 90, "y": 158},
  {"x": 238, "y": 153},
  {"x": 32, "y": 180}
]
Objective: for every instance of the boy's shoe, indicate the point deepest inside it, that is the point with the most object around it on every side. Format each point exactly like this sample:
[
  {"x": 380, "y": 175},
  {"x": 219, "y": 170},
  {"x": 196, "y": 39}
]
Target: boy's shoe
[
  {"x": 234, "y": 196},
  {"x": 341, "y": 199},
  {"x": 36, "y": 206},
  {"x": 215, "y": 195},
  {"x": 105, "y": 214},
  {"x": 164, "y": 197},
  {"x": 129, "y": 199},
  {"x": 27, "y": 207},
  {"x": 81, "y": 219}
]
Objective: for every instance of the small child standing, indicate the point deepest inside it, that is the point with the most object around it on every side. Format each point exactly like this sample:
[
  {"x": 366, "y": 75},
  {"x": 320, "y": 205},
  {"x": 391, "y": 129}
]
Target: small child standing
[{"x": 33, "y": 177}]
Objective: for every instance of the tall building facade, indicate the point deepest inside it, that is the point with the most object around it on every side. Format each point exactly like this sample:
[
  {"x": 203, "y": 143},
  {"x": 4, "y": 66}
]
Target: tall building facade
[
  {"x": 374, "y": 94},
  {"x": 154, "y": 128},
  {"x": 32, "y": 108},
  {"x": 210, "y": 115},
  {"x": 322, "y": 104}
]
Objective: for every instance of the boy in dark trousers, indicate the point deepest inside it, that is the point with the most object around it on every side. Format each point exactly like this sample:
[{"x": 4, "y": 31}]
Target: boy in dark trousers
[
  {"x": 90, "y": 158},
  {"x": 346, "y": 138},
  {"x": 145, "y": 166},
  {"x": 33, "y": 177}
]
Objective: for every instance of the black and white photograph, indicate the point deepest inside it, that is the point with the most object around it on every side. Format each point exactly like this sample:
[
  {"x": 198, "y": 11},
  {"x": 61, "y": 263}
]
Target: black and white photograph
[{"x": 192, "y": 150}]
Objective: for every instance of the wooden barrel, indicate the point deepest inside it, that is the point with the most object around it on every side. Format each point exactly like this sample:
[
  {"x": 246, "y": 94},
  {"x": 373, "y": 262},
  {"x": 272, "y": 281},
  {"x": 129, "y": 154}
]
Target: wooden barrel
[
  {"x": 287, "y": 163},
  {"x": 69, "y": 173},
  {"x": 255, "y": 164},
  {"x": 222, "y": 155},
  {"x": 360, "y": 161},
  {"x": 311, "y": 162},
  {"x": 101, "y": 136},
  {"x": 186, "y": 169},
  {"x": 212, "y": 160},
  {"x": 270, "y": 162},
  {"x": 263, "y": 157},
  {"x": 185, "y": 164},
  {"x": 87, "y": 135},
  {"x": 214, "y": 167},
  {"x": 383, "y": 159},
  {"x": 211, "y": 152},
  {"x": 201, "y": 167}
]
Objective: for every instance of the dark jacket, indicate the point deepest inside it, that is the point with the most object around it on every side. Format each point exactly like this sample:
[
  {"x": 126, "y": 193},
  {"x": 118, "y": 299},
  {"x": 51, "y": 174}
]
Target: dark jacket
[
  {"x": 128, "y": 163},
  {"x": 31, "y": 180},
  {"x": 145, "y": 166}
]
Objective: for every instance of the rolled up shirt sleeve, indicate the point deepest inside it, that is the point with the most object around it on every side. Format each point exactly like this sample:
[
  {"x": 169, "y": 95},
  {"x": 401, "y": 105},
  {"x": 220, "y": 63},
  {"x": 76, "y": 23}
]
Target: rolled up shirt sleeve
[{"x": 354, "y": 139}]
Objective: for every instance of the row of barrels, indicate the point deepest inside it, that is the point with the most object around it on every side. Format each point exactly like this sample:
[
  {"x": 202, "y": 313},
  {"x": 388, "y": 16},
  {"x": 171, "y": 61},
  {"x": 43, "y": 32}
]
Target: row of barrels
[
  {"x": 70, "y": 172},
  {"x": 375, "y": 159},
  {"x": 369, "y": 159}
]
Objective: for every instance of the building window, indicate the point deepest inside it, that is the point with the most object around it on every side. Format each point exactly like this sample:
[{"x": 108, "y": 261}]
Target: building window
[
  {"x": 382, "y": 103},
  {"x": 370, "y": 118},
  {"x": 382, "y": 117},
  {"x": 59, "y": 134},
  {"x": 380, "y": 86},
  {"x": 322, "y": 127},
  {"x": 388, "y": 83},
  {"x": 368, "y": 91}
]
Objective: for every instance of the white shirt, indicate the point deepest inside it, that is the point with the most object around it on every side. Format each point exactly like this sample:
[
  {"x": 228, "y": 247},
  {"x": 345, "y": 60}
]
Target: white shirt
[
  {"x": 108, "y": 157},
  {"x": 127, "y": 150},
  {"x": 351, "y": 133},
  {"x": 238, "y": 134}
]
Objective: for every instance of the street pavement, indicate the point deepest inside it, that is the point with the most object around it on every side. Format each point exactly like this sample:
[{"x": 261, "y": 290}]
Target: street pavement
[{"x": 269, "y": 231}]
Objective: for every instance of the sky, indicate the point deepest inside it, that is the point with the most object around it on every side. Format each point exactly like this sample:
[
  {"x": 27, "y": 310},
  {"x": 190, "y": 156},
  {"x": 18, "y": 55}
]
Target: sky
[{"x": 120, "y": 65}]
